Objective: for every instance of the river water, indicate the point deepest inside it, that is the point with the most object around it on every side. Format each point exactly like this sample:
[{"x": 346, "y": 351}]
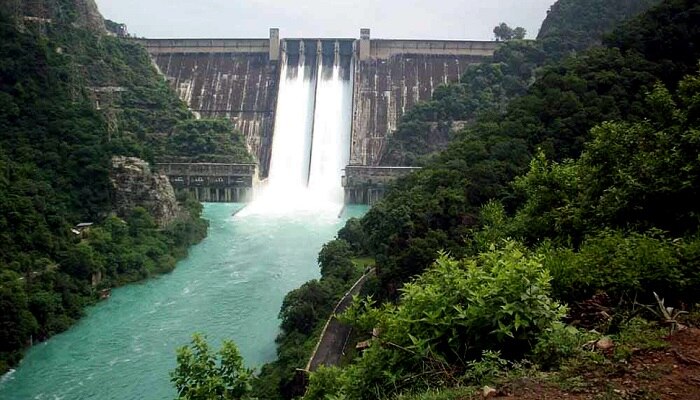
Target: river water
[{"x": 230, "y": 287}]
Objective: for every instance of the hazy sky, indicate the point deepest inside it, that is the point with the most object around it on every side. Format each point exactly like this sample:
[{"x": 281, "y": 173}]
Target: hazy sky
[{"x": 392, "y": 19}]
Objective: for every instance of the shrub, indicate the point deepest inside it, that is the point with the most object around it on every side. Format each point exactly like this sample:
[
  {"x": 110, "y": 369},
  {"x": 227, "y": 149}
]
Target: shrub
[
  {"x": 202, "y": 374},
  {"x": 558, "y": 343},
  {"x": 629, "y": 265},
  {"x": 449, "y": 318}
]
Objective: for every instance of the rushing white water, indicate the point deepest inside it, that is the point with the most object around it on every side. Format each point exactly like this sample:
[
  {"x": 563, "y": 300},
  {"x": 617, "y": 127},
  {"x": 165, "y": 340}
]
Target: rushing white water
[
  {"x": 331, "y": 134},
  {"x": 289, "y": 165},
  {"x": 311, "y": 142}
]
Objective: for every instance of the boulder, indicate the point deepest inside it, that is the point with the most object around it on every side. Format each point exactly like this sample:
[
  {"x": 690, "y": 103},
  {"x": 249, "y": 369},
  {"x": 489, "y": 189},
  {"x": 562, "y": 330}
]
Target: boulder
[{"x": 135, "y": 185}]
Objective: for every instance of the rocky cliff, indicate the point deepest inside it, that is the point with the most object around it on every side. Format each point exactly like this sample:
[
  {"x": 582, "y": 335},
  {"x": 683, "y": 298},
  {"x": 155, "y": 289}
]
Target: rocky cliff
[
  {"x": 80, "y": 13},
  {"x": 135, "y": 185}
]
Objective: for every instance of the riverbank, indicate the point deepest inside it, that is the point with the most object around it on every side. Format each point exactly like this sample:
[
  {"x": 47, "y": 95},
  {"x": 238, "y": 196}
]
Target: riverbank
[{"x": 230, "y": 286}]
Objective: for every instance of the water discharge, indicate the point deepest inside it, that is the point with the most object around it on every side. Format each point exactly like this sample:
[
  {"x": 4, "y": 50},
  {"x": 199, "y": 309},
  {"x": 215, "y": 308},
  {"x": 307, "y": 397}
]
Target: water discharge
[
  {"x": 330, "y": 151},
  {"x": 311, "y": 142}
]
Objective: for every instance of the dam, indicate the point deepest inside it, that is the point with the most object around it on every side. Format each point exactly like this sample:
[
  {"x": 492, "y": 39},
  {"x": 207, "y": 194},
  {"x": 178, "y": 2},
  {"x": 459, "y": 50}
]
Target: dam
[{"x": 334, "y": 100}]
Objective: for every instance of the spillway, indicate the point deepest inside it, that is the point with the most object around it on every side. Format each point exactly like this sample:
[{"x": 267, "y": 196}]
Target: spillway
[
  {"x": 294, "y": 123},
  {"x": 311, "y": 141},
  {"x": 330, "y": 150}
]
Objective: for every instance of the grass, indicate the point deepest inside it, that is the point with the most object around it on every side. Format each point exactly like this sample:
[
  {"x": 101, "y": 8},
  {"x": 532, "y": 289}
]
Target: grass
[
  {"x": 464, "y": 393},
  {"x": 361, "y": 263}
]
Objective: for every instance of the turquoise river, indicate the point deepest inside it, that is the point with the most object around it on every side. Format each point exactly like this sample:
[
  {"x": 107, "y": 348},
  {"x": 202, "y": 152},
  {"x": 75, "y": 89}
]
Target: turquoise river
[{"x": 231, "y": 286}]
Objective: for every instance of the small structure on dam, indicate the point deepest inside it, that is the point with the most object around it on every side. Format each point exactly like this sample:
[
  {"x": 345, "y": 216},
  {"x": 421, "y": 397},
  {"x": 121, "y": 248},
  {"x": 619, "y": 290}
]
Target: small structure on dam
[
  {"x": 211, "y": 182},
  {"x": 367, "y": 184},
  {"x": 240, "y": 79}
]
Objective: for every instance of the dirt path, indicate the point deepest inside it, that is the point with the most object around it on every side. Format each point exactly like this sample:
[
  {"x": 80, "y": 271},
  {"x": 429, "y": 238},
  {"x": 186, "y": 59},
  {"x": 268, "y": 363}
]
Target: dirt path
[
  {"x": 334, "y": 337},
  {"x": 669, "y": 374}
]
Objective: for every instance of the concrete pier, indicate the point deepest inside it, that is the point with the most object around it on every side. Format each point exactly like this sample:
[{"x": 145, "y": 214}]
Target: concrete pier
[
  {"x": 367, "y": 185},
  {"x": 208, "y": 182}
]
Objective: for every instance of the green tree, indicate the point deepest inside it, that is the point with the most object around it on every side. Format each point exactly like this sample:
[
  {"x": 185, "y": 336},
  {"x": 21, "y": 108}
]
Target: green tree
[
  {"x": 334, "y": 260},
  {"x": 504, "y": 33},
  {"x": 519, "y": 33},
  {"x": 209, "y": 140},
  {"x": 204, "y": 375},
  {"x": 302, "y": 308}
]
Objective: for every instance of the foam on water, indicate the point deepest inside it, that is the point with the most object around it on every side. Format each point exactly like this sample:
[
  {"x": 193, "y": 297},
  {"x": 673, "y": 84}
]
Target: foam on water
[{"x": 311, "y": 143}]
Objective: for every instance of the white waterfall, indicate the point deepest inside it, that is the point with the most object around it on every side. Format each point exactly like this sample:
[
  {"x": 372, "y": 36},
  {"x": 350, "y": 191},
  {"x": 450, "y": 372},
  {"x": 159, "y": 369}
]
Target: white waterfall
[
  {"x": 330, "y": 151},
  {"x": 289, "y": 165},
  {"x": 311, "y": 142}
]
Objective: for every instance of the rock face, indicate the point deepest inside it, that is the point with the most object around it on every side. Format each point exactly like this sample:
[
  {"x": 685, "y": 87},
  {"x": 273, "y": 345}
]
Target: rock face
[
  {"x": 135, "y": 185},
  {"x": 85, "y": 12},
  {"x": 89, "y": 16}
]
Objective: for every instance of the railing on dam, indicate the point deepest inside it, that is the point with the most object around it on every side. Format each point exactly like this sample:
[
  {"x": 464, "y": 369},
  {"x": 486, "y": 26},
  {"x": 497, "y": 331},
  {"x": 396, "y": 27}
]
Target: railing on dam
[
  {"x": 385, "y": 48},
  {"x": 243, "y": 46},
  {"x": 367, "y": 185},
  {"x": 212, "y": 182}
]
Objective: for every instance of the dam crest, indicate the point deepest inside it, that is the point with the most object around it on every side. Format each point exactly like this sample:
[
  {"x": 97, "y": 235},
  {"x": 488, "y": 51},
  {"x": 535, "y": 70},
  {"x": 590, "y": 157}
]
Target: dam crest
[{"x": 346, "y": 103}]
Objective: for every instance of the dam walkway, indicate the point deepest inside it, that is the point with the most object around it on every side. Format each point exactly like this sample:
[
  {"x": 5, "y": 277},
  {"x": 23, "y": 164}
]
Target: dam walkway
[{"x": 335, "y": 335}]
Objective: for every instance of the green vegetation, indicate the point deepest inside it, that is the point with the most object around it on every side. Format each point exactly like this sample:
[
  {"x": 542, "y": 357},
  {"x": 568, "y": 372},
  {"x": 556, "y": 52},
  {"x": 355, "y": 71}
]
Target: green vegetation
[
  {"x": 453, "y": 314},
  {"x": 208, "y": 141},
  {"x": 503, "y": 32},
  {"x": 575, "y": 181},
  {"x": 440, "y": 206},
  {"x": 70, "y": 100},
  {"x": 203, "y": 375}
]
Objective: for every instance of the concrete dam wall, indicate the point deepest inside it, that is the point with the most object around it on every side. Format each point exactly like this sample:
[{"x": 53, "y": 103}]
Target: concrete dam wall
[
  {"x": 228, "y": 78},
  {"x": 240, "y": 79},
  {"x": 394, "y": 75}
]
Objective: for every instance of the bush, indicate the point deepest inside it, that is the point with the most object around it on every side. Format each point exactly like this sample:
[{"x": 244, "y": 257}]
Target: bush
[
  {"x": 450, "y": 316},
  {"x": 623, "y": 265},
  {"x": 498, "y": 300},
  {"x": 203, "y": 375},
  {"x": 558, "y": 343},
  {"x": 325, "y": 383},
  {"x": 335, "y": 260}
]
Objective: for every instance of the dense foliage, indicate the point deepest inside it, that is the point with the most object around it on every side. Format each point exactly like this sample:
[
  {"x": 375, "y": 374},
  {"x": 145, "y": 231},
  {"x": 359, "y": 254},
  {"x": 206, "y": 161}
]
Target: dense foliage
[
  {"x": 70, "y": 100},
  {"x": 439, "y": 206},
  {"x": 571, "y": 27},
  {"x": 212, "y": 140},
  {"x": 452, "y": 314},
  {"x": 204, "y": 375}
]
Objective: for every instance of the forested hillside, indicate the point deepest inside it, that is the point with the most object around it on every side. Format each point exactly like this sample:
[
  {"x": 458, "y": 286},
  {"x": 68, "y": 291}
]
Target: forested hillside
[{"x": 71, "y": 98}]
